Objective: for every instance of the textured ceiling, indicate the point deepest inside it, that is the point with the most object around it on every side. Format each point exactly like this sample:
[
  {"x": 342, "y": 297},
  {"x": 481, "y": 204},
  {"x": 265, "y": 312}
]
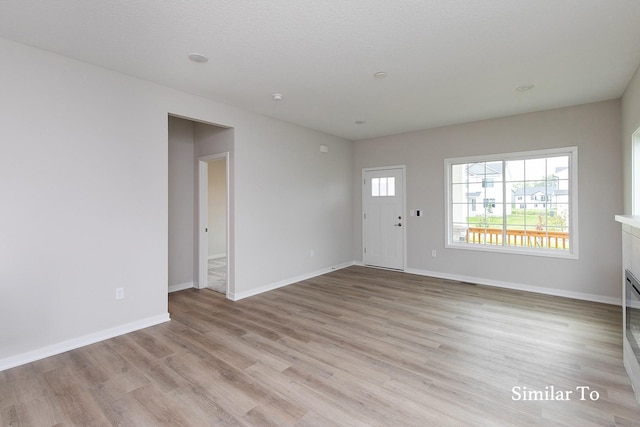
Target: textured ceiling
[{"x": 448, "y": 61}]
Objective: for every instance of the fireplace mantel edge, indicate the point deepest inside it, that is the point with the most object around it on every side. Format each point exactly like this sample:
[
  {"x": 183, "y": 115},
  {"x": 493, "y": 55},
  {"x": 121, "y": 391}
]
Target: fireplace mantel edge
[{"x": 631, "y": 220}]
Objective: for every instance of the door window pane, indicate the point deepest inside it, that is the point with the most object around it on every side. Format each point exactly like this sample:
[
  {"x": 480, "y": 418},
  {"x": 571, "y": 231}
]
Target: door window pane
[
  {"x": 391, "y": 186},
  {"x": 383, "y": 187}
]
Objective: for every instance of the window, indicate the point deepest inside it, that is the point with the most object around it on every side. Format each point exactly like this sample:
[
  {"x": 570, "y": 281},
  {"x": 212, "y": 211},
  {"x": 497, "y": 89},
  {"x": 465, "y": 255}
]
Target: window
[
  {"x": 383, "y": 187},
  {"x": 529, "y": 202}
]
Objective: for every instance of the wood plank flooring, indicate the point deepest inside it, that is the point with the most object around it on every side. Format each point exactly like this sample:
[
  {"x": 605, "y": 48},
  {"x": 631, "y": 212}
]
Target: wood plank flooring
[{"x": 355, "y": 347}]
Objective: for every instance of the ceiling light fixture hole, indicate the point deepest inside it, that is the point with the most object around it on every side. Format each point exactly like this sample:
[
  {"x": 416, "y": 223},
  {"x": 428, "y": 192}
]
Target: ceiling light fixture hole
[
  {"x": 198, "y": 57},
  {"x": 524, "y": 88}
]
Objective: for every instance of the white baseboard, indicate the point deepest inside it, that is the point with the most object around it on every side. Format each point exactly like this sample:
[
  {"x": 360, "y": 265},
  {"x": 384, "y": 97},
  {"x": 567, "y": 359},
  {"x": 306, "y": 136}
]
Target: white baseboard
[
  {"x": 216, "y": 256},
  {"x": 52, "y": 350},
  {"x": 518, "y": 287},
  {"x": 182, "y": 286},
  {"x": 285, "y": 282}
]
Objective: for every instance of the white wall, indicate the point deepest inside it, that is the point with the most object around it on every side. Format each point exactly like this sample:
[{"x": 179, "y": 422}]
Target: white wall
[
  {"x": 90, "y": 146},
  {"x": 297, "y": 199},
  {"x": 181, "y": 201},
  {"x": 594, "y": 128},
  {"x": 630, "y": 122},
  {"x": 217, "y": 208},
  {"x": 84, "y": 171}
]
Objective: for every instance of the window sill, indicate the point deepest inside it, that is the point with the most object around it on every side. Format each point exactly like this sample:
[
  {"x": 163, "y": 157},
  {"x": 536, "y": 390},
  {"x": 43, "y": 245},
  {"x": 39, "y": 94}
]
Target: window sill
[{"x": 548, "y": 253}]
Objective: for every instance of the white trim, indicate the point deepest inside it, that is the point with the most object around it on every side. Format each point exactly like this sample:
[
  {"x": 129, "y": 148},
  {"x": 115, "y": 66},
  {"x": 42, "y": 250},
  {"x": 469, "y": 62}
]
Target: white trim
[
  {"x": 573, "y": 252},
  {"x": 52, "y": 350},
  {"x": 203, "y": 213},
  {"x": 518, "y": 286},
  {"x": 635, "y": 173},
  {"x": 513, "y": 250},
  {"x": 216, "y": 256},
  {"x": 286, "y": 282},
  {"x": 182, "y": 286}
]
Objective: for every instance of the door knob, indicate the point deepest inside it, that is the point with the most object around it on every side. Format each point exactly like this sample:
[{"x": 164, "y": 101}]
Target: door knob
[{"x": 398, "y": 224}]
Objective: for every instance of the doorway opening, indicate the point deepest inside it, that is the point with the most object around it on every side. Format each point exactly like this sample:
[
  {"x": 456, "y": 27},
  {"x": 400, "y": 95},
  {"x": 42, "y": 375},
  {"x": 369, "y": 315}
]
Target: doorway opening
[
  {"x": 212, "y": 220},
  {"x": 190, "y": 144}
]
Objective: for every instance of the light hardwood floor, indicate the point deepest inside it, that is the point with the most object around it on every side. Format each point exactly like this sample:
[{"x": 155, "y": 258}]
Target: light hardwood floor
[{"x": 358, "y": 346}]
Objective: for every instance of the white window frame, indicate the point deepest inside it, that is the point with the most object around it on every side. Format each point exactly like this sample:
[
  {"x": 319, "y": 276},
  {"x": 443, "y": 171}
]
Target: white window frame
[
  {"x": 574, "y": 246},
  {"x": 635, "y": 172}
]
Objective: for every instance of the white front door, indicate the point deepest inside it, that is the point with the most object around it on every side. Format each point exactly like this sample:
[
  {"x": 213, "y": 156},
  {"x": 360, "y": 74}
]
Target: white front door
[{"x": 383, "y": 217}]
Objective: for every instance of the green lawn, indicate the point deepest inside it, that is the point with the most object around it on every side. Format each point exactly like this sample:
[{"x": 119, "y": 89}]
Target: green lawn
[{"x": 518, "y": 219}]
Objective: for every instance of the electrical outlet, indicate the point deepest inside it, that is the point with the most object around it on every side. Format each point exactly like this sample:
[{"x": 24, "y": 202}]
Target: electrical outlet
[
  {"x": 119, "y": 293},
  {"x": 312, "y": 253},
  {"x": 433, "y": 253}
]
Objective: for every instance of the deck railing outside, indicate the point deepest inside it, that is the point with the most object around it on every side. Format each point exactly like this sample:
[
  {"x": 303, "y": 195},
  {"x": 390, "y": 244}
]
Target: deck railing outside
[{"x": 529, "y": 238}]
